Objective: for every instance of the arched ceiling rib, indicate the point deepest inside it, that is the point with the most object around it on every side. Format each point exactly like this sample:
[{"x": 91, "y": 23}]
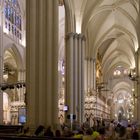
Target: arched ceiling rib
[
  {"x": 114, "y": 23},
  {"x": 9, "y": 59},
  {"x": 110, "y": 28},
  {"x": 121, "y": 87}
]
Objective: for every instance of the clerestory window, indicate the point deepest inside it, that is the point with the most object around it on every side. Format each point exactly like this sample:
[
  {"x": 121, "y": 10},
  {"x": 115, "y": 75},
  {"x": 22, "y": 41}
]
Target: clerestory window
[{"x": 13, "y": 19}]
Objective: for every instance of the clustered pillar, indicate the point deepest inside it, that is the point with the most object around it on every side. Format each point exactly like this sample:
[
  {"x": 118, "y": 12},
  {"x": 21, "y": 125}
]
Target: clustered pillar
[
  {"x": 75, "y": 44},
  {"x": 90, "y": 74},
  {"x": 90, "y": 86},
  {"x": 42, "y": 62},
  {"x": 94, "y": 74}
]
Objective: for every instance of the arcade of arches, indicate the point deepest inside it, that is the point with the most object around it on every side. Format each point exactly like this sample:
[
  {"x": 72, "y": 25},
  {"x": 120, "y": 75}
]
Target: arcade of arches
[{"x": 62, "y": 57}]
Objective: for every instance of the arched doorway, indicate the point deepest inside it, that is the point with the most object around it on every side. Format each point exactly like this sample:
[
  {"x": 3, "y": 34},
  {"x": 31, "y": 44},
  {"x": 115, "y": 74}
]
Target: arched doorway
[{"x": 12, "y": 87}]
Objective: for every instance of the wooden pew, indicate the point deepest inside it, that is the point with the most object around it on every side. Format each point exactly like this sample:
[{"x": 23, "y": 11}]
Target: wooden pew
[
  {"x": 11, "y": 129},
  {"x": 8, "y": 137}
]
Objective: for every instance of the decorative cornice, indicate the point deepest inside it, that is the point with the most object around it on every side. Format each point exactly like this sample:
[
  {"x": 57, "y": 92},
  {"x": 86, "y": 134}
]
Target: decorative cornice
[{"x": 75, "y": 35}]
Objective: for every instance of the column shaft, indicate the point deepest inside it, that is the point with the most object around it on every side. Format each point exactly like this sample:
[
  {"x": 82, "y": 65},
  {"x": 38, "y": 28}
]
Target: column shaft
[
  {"x": 42, "y": 62},
  {"x": 91, "y": 73},
  {"x": 82, "y": 78},
  {"x": 76, "y": 109},
  {"x": 86, "y": 75},
  {"x": 69, "y": 72},
  {"x": 55, "y": 63},
  {"x": 31, "y": 69},
  {"x": 79, "y": 75},
  {"x": 94, "y": 74},
  {"x": 75, "y": 75}
]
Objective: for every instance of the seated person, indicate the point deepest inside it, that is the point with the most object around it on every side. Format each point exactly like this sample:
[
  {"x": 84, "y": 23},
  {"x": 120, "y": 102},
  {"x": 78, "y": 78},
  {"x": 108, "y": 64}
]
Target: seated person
[
  {"x": 39, "y": 131},
  {"x": 49, "y": 132},
  {"x": 57, "y": 133},
  {"x": 25, "y": 131},
  {"x": 79, "y": 134}
]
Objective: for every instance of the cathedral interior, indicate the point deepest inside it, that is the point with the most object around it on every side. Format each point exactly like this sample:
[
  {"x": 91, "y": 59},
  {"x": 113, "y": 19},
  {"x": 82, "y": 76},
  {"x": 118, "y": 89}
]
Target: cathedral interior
[{"x": 75, "y": 57}]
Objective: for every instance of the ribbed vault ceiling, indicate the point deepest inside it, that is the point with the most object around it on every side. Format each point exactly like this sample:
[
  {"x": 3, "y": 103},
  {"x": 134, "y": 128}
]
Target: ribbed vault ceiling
[{"x": 110, "y": 26}]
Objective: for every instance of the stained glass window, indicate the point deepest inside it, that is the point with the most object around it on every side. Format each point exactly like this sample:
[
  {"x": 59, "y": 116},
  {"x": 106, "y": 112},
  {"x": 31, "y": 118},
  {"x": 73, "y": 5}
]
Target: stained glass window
[
  {"x": 8, "y": 12},
  {"x": 13, "y": 17},
  {"x": 14, "y": 2},
  {"x": 14, "y": 14}
]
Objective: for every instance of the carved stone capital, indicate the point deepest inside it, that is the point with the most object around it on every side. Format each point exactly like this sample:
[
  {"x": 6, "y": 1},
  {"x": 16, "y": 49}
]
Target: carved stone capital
[
  {"x": 80, "y": 36},
  {"x": 76, "y": 35},
  {"x": 69, "y": 35}
]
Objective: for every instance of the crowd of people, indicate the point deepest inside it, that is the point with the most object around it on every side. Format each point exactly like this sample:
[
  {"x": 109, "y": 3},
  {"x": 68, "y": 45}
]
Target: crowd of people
[
  {"x": 101, "y": 130},
  {"x": 112, "y": 130}
]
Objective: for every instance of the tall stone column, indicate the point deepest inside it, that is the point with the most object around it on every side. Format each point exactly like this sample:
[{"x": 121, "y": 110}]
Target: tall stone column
[
  {"x": 76, "y": 109},
  {"x": 69, "y": 98},
  {"x": 82, "y": 77},
  {"x": 86, "y": 74},
  {"x": 75, "y": 74},
  {"x": 42, "y": 62},
  {"x": 85, "y": 85},
  {"x": 81, "y": 46},
  {"x": 94, "y": 74},
  {"x": 91, "y": 73}
]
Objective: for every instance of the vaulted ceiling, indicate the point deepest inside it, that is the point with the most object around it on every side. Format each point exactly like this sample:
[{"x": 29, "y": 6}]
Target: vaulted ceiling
[{"x": 110, "y": 28}]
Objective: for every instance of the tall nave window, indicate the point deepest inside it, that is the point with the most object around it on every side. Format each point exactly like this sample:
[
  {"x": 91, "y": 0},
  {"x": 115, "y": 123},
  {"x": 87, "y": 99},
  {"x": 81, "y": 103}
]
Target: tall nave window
[{"x": 13, "y": 20}]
